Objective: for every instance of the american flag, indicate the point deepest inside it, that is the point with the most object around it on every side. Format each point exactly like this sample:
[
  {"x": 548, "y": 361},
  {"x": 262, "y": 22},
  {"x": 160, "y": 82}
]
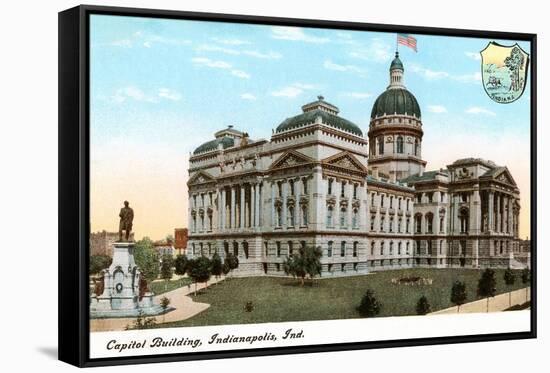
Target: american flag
[{"x": 407, "y": 40}]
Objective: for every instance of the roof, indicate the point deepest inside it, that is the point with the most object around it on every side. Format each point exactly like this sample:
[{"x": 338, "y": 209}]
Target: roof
[
  {"x": 327, "y": 118},
  {"x": 426, "y": 176},
  {"x": 471, "y": 160},
  {"x": 226, "y": 142},
  {"x": 396, "y": 101},
  {"x": 399, "y": 184}
]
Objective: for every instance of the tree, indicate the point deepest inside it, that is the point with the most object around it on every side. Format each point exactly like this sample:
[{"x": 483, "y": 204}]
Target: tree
[
  {"x": 180, "y": 264},
  {"x": 487, "y": 285},
  {"x": 217, "y": 265},
  {"x": 514, "y": 63},
  {"x": 169, "y": 238},
  {"x": 230, "y": 262},
  {"x": 458, "y": 294},
  {"x": 199, "y": 270},
  {"x": 164, "y": 303},
  {"x": 509, "y": 279},
  {"x": 147, "y": 260},
  {"x": 423, "y": 306},
  {"x": 166, "y": 272},
  {"x": 99, "y": 263},
  {"x": 369, "y": 306},
  {"x": 307, "y": 263},
  {"x": 526, "y": 279}
]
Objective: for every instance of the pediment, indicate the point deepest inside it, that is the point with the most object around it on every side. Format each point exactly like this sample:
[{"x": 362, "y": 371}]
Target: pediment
[
  {"x": 291, "y": 158},
  {"x": 201, "y": 177},
  {"x": 346, "y": 161},
  {"x": 504, "y": 176}
]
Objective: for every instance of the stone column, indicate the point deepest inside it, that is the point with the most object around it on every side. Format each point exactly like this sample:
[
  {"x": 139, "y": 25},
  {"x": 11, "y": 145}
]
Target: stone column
[
  {"x": 222, "y": 208},
  {"x": 317, "y": 217},
  {"x": 498, "y": 216},
  {"x": 273, "y": 222},
  {"x": 510, "y": 214},
  {"x": 336, "y": 212},
  {"x": 349, "y": 196},
  {"x": 283, "y": 211},
  {"x": 242, "y": 208},
  {"x": 252, "y": 204},
  {"x": 475, "y": 213},
  {"x": 232, "y": 216},
  {"x": 490, "y": 211}
]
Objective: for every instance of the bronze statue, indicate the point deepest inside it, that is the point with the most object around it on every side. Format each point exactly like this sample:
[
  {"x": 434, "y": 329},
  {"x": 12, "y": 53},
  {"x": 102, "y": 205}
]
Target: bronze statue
[{"x": 126, "y": 219}]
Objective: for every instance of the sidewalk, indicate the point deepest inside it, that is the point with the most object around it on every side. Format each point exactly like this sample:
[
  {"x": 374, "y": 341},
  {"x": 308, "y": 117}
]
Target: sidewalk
[{"x": 179, "y": 299}]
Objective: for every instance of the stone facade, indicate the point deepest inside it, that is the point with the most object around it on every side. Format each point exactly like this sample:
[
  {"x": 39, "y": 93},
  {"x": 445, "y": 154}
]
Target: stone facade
[{"x": 317, "y": 182}]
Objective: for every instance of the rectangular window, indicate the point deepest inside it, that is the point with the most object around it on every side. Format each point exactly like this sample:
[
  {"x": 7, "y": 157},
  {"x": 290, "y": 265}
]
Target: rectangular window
[
  {"x": 329, "y": 250},
  {"x": 278, "y": 244},
  {"x": 372, "y": 220},
  {"x": 343, "y": 249},
  {"x": 355, "y": 191},
  {"x": 382, "y": 222},
  {"x": 343, "y": 190},
  {"x": 355, "y": 244},
  {"x": 330, "y": 186}
]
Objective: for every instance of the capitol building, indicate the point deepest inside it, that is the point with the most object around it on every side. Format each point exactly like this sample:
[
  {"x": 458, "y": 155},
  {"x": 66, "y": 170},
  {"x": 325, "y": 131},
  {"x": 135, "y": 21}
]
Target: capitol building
[{"x": 365, "y": 199}]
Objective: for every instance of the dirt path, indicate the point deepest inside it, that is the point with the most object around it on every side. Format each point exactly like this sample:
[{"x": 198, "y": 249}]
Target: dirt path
[{"x": 179, "y": 299}]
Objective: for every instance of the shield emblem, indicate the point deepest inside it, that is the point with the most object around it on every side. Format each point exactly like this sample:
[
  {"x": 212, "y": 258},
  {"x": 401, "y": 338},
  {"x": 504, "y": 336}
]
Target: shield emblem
[{"x": 504, "y": 71}]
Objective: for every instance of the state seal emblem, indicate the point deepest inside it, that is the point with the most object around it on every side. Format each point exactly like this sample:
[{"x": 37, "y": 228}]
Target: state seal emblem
[{"x": 504, "y": 71}]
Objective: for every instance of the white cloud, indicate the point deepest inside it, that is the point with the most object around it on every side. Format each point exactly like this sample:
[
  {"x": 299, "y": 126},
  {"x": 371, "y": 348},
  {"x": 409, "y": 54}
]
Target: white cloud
[
  {"x": 231, "y": 41},
  {"x": 438, "y": 109},
  {"x": 203, "y": 61},
  {"x": 295, "y": 34},
  {"x": 240, "y": 74},
  {"x": 216, "y": 48},
  {"x": 269, "y": 55},
  {"x": 135, "y": 93},
  {"x": 358, "y": 95},
  {"x": 248, "y": 96},
  {"x": 169, "y": 94},
  {"x": 124, "y": 43},
  {"x": 434, "y": 75},
  {"x": 468, "y": 78},
  {"x": 147, "y": 44},
  {"x": 211, "y": 63},
  {"x": 473, "y": 55},
  {"x": 479, "y": 110},
  {"x": 337, "y": 67},
  {"x": 376, "y": 50},
  {"x": 293, "y": 90}
]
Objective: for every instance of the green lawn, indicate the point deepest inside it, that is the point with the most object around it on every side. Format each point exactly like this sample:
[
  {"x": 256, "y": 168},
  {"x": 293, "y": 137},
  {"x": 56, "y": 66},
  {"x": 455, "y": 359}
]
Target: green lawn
[
  {"x": 283, "y": 299},
  {"x": 160, "y": 287}
]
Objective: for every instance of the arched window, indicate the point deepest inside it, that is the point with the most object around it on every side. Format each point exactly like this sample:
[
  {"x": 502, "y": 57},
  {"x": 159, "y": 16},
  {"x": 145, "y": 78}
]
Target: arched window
[
  {"x": 245, "y": 249},
  {"x": 304, "y": 215},
  {"x": 330, "y": 211},
  {"x": 400, "y": 144},
  {"x": 329, "y": 249},
  {"x": 226, "y": 248},
  {"x": 464, "y": 220},
  {"x": 429, "y": 222},
  {"x": 235, "y": 248},
  {"x": 418, "y": 223},
  {"x": 343, "y": 217},
  {"x": 291, "y": 216},
  {"x": 355, "y": 218},
  {"x": 382, "y": 248},
  {"x": 372, "y": 248},
  {"x": 416, "y": 147},
  {"x": 343, "y": 249},
  {"x": 399, "y": 248},
  {"x": 290, "y": 248},
  {"x": 391, "y": 248},
  {"x": 278, "y": 217},
  {"x": 380, "y": 145},
  {"x": 382, "y": 223}
]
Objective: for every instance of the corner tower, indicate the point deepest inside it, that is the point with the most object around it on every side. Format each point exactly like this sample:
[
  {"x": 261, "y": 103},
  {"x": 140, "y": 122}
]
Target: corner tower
[{"x": 395, "y": 131}]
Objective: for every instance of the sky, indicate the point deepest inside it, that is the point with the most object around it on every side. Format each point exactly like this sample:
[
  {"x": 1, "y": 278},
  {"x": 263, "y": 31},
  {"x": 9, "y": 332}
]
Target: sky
[{"x": 160, "y": 88}]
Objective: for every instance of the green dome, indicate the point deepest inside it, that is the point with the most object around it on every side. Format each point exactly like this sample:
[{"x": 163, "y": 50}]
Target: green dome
[
  {"x": 395, "y": 101},
  {"x": 226, "y": 142},
  {"x": 396, "y": 63},
  {"x": 327, "y": 118}
]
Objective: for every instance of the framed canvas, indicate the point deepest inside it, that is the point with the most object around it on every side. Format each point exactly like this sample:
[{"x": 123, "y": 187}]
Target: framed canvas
[{"x": 235, "y": 186}]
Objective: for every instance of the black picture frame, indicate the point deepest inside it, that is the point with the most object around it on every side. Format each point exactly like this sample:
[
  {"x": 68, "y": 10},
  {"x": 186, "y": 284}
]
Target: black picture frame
[{"x": 74, "y": 225}]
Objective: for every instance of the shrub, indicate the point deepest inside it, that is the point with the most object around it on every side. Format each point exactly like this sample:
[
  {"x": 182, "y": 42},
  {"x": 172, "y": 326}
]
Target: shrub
[
  {"x": 423, "y": 306},
  {"x": 369, "y": 306}
]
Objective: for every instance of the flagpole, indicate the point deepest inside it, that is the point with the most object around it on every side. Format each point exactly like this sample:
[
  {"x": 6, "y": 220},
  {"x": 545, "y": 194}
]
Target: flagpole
[{"x": 396, "y": 43}]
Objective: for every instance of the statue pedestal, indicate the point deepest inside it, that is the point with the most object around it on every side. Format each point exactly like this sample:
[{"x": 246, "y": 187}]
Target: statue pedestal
[{"x": 120, "y": 297}]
